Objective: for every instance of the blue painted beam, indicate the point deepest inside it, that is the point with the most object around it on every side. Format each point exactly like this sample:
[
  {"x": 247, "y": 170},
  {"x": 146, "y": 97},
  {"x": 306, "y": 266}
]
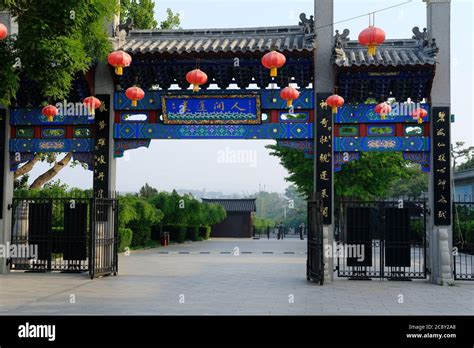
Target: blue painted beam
[
  {"x": 33, "y": 117},
  {"x": 261, "y": 131},
  {"x": 51, "y": 145},
  {"x": 365, "y": 113}
]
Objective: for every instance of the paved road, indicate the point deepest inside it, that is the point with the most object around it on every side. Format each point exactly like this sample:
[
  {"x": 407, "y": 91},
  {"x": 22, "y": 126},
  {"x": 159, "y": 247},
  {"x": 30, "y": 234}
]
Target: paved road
[{"x": 210, "y": 279}]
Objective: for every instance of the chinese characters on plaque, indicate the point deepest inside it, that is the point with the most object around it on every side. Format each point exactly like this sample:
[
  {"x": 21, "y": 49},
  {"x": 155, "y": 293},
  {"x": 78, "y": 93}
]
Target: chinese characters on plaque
[
  {"x": 208, "y": 109},
  {"x": 324, "y": 154},
  {"x": 101, "y": 150},
  {"x": 441, "y": 166}
]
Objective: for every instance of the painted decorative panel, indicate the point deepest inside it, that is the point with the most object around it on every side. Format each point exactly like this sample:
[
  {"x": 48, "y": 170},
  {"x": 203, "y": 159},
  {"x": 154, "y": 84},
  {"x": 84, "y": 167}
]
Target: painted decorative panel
[
  {"x": 380, "y": 130},
  {"x": 25, "y": 132},
  {"x": 53, "y": 133},
  {"x": 382, "y": 144},
  {"x": 133, "y": 116},
  {"x": 349, "y": 131},
  {"x": 413, "y": 130},
  {"x": 297, "y": 116},
  {"x": 82, "y": 132}
]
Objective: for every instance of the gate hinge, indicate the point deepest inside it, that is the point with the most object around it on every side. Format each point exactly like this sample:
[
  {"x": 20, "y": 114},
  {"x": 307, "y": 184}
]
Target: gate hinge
[{"x": 9, "y": 206}]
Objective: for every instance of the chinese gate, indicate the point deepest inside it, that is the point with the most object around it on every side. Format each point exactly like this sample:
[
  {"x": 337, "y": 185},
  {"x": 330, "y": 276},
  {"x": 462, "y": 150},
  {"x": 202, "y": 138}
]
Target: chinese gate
[{"x": 241, "y": 101}]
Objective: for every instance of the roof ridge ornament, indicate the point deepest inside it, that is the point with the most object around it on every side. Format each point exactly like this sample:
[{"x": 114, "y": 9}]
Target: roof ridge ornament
[
  {"x": 341, "y": 39},
  {"x": 307, "y": 24},
  {"x": 127, "y": 27},
  {"x": 423, "y": 37}
]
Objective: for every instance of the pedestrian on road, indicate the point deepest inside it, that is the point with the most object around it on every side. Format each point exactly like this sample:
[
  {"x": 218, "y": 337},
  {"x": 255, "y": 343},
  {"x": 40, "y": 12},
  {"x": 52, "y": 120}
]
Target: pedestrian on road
[
  {"x": 280, "y": 231},
  {"x": 301, "y": 230}
]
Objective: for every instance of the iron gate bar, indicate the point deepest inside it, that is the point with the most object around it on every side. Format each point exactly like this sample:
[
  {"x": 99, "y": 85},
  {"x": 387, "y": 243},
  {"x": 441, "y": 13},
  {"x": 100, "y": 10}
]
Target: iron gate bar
[
  {"x": 60, "y": 229},
  {"x": 392, "y": 234},
  {"x": 315, "y": 260},
  {"x": 104, "y": 241},
  {"x": 463, "y": 238}
]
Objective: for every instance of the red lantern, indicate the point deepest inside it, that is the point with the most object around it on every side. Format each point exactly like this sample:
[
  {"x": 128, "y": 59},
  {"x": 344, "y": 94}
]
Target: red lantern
[
  {"x": 419, "y": 114},
  {"x": 50, "y": 111},
  {"x": 372, "y": 37},
  {"x": 135, "y": 94},
  {"x": 335, "y": 101},
  {"x": 289, "y": 94},
  {"x": 196, "y": 78},
  {"x": 119, "y": 60},
  {"x": 273, "y": 60},
  {"x": 3, "y": 31},
  {"x": 92, "y": 103},
  {"x": 383, "y": 109}
]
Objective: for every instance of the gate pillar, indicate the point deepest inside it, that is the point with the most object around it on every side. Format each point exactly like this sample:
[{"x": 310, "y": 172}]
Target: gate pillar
[
  {"x": 6, "y": 189},
  {"x": 323, "y": 86},
  {"x": 6, "y": 176},
  {"x": 104, "y": 161},
  {"x": 440, "y": 187}
]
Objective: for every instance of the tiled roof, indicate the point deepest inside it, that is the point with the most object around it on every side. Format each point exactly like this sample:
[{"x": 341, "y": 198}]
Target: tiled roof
[
  {"x": 405, "y": 52},
  {"x": 234, "y": 205},
  {"x": 284, "y": 38}
]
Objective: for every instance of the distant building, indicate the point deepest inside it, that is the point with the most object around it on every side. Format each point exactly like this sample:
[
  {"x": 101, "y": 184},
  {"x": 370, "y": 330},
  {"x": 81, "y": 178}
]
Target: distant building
[
  {"x": 238, "y": 223},
  {"x": 464, "y": 184}
]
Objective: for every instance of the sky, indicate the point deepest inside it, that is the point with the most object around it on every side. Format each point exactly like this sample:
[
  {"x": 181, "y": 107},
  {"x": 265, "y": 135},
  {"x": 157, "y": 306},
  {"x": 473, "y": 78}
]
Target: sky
[{"x": 245, "y": 166}]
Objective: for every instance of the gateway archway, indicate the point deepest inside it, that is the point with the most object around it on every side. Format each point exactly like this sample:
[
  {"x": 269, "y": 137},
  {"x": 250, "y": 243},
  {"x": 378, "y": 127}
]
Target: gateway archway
[{"x": 318, "y": 62}]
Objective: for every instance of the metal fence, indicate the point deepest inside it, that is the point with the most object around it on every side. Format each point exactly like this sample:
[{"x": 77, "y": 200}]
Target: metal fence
[
  {"x": 381, "y": 239},
  {"x": 65, "y": 234},
  {"x": 276, "y": 233},
  {"x": 463, "y": 238}
]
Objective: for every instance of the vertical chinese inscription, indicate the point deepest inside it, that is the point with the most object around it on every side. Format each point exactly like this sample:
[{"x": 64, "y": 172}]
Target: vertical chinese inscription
[
  {"x": 324, "y": 154},
  {"x": 101, "y": 150},
  {"x": 441, "y": 166},
  {"x": 3, "y": 116}
]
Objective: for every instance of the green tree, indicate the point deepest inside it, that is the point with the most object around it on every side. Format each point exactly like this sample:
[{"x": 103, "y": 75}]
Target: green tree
[
  {"x": 172, "y": 20},
  {"x": 138, "y": 215},
  {"x": 142, "y": 14},
  {"x": 460, "y": 151},
  {"x": 414, "y": 185},
  {"x": 370, "y": 177},
  {"x": 54, "y": 44},
  {"x": 146, "y": 191}
]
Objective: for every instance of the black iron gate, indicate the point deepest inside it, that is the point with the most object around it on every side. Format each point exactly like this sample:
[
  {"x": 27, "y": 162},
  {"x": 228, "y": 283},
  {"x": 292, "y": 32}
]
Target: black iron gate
[
  {"x": 463, "y": 239},
  {"x": 381, "y": 239},
  {"x": 70, "y": 235},
  {"x": 104, "y": 237},
  {"x": 315, "y": 261}
]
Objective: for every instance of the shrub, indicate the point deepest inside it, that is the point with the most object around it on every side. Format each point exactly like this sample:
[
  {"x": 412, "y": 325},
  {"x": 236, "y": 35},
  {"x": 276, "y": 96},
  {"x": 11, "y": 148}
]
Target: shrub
[
  {"x": 177, "y": 232},
  {"x": 141, "y": 235},
  {"x": 192, "y": 233},
  {"x": 138, "y": 215},
  {"x": 125, "y": 238},
  {"x": 205, "y": 232}
]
